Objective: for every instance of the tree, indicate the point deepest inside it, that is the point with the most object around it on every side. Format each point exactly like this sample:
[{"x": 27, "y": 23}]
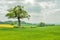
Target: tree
[
  {"x": 41, "y": 24},
  {"x": 17, "y": 12}
]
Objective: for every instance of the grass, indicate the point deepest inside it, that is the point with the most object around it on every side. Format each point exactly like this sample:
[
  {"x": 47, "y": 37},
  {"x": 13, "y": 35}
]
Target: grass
[{"x": 39, "y": 33}]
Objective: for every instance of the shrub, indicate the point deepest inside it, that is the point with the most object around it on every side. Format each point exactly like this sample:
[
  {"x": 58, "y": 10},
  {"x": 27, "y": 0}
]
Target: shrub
[{"x": 41, "y": 24}]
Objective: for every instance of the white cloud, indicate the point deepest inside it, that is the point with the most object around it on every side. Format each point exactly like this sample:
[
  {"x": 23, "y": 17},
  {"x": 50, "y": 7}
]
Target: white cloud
[
  {"x": 47, "y": 4},
  {"x": 29, "y": 1},
  {"x": 41, "y": 11},
  {"x": 51, "y": 16}
]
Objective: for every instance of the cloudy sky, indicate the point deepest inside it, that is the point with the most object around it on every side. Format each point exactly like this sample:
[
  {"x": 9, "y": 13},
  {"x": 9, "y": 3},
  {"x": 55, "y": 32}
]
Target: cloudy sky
[{"x": 47, "y": 11}]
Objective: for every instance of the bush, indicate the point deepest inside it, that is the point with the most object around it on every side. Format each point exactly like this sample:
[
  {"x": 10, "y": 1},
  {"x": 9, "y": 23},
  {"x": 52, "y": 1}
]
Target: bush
[
  {"x": 16, "y": 27},
  {"x": 41, "y": 24}
]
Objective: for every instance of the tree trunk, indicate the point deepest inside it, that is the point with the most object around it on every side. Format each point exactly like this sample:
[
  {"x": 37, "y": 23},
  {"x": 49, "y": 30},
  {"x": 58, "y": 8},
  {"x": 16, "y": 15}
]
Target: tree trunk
[{"x": 19, "y": 22}]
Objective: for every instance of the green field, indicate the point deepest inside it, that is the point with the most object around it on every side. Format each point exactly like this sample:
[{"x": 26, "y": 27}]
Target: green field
[{"x": 38, "y": 33}]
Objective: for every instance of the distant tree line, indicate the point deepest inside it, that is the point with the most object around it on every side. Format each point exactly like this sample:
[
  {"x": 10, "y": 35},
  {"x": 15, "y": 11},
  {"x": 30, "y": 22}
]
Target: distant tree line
[{"x": 42, "y": 24}]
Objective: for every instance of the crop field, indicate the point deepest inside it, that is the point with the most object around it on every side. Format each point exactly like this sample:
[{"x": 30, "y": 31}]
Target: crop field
[
  {"x": 6, "y": 26},
  {"x": 38, "y": 33}
]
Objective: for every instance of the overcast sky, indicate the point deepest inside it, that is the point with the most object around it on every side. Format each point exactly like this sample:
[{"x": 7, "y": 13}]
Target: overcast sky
[{"x": 47, "y": 11}]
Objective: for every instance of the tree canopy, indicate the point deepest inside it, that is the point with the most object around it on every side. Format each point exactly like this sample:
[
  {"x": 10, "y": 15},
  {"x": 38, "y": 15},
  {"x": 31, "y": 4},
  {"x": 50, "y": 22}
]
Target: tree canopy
[{"x": 17, "y": 11}]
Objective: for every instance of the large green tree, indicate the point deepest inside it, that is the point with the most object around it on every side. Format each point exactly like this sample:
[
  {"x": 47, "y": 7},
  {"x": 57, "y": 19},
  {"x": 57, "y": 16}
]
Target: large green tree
[{"x": 17, "y": 12}]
